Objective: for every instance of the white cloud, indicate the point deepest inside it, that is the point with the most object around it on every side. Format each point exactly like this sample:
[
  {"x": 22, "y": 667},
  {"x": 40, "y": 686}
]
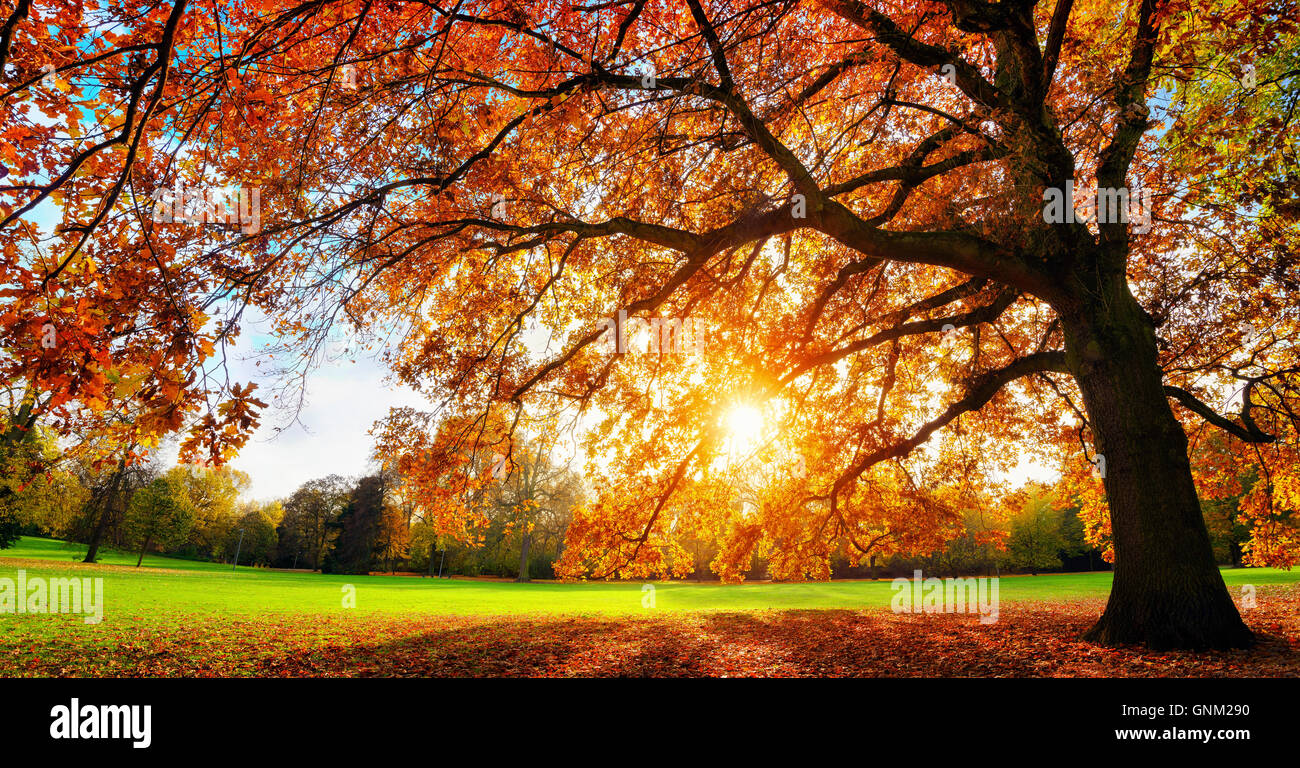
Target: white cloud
[{"x": 332, "y": 432}]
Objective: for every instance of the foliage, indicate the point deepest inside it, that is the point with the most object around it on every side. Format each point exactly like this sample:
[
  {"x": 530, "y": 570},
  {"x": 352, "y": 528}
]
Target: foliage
[
  {"x": 252, "y": 535},
  {"x": 981, "y": 546},
  {"x": 213, "y": 493},
  {"x": 309, "y": 515},
  {"x": 159, "y": 514},
  {"x": 358, "y": 525},
  {"x": 829, "y": 214},
  {"x": 23, "y": 482},
  {"x": 1036, "y": 541}
]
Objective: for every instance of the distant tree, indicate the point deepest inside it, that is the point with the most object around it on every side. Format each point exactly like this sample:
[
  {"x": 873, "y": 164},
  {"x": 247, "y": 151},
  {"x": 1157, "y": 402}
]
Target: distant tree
[
  {"x": 1224, "y": 481},
  {"x": 1074, "y": 533},
  {"x": 34, "y": 490},
  {"x": 393, "y": 534},
  {"x": 979, "y": 546},
  {"x": 10, "y": 528},
  {"x": 1036, "y": 541},
  {"x": 359, "y": 528},
  {"x": 159, "y": 514},
  {"x": 214, "y": 495},
  {"x": 396, "y": 538},
  {"x": 256, "y": 545},
  {"x": 19, "y": 465},
  {"x": 534, "y": 499},
  {"x": 103, "y": 508},
  {"x": 24, "y": 455},
  {"x": 291, "y": 537},
  {"x": 424, "y": 548},
  {"x": 110, "y": 497},
  {"x": 310, "y": 517},
  {"x": 51, "y": 503}
]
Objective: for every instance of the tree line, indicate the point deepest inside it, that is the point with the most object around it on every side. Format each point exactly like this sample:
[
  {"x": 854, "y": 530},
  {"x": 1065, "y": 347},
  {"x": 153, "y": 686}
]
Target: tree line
[
  {"x": 331, "y": 524},
  {"x": 338, "y": 524}
]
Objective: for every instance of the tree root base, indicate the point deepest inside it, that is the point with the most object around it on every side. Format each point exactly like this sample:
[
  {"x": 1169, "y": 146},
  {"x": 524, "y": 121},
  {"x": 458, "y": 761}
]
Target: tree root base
[{"x": 1163, "y": 634}]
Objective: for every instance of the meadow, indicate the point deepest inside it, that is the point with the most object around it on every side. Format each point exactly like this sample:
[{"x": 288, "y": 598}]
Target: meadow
[{"x": 179, "y": 617}]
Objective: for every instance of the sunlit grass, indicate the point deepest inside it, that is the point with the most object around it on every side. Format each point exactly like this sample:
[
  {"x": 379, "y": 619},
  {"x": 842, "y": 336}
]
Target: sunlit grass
[{"x": 168, "y": 586}]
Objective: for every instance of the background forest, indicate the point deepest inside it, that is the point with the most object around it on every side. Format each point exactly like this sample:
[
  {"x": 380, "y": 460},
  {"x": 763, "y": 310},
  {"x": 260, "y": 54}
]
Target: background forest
[{"x": 369, "y": 523}]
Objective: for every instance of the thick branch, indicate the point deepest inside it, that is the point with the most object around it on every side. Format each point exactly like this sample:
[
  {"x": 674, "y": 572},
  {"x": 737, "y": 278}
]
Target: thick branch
[
  {"x": 1250, "y": 433},
  {"x": 921, "y": 54},
  {"x": 1130, "y": 99},
  {"x": 978, "y": 393}
]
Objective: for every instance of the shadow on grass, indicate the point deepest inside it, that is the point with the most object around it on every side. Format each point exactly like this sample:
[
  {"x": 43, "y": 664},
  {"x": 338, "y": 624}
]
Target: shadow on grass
[{"x": 1028, "y": 643}]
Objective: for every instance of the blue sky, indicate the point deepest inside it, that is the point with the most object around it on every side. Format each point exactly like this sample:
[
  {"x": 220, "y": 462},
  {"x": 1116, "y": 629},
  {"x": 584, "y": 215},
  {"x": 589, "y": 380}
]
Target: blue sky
[{"x": 331, "y": 432}]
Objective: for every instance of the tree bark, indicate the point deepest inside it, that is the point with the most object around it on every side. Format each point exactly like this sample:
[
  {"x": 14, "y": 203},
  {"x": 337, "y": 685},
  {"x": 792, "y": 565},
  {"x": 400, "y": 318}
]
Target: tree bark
[
  {"x": 101, "y": 525},
  {"x": 1167, "y": 590},
  {"x": 143, "y": 547},
  {"x": 1234, "y": 550},
  {"x": 523, "y": 557}
]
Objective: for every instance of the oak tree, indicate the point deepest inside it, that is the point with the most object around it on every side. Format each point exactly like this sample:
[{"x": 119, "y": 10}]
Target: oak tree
[{"x": 921, "y": 240}]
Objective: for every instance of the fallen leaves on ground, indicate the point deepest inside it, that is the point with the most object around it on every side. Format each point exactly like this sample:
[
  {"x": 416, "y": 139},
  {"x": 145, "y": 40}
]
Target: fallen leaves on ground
[{"x": 1029, "y": 640}]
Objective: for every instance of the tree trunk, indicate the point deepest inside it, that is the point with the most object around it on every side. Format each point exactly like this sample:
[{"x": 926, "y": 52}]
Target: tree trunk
[
  {"x": 143, "y": 547},
  {"x": 523, "y": 557},
  {"x": 1167, "y": 590},
  {"x": 101, "y": 525},
  {"x": 1234, "y": 551}
]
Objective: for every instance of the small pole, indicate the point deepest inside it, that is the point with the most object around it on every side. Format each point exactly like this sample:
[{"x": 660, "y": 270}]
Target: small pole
[
  {"x": 238, "y": 547},
  {"x": 440, "y": 562}
]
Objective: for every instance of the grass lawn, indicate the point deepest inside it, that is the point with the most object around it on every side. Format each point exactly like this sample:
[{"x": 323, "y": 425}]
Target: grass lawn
[
  {"x": 182, "y": 617},
  {"x": 169, "y": 584}
]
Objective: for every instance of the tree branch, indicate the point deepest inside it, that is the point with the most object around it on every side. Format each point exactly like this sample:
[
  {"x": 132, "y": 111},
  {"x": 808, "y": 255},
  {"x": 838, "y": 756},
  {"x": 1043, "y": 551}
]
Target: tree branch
[{"x": 1250, "y": 433}]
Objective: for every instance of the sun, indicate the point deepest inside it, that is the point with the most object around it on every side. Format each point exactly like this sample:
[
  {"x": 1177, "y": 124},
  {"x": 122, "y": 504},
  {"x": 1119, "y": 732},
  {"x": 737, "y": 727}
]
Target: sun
[{"x": 745, "y": 422}]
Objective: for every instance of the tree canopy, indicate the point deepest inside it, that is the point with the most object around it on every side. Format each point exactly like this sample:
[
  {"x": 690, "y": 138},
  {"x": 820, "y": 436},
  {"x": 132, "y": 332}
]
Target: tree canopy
[{"x": 638, "y": 218}]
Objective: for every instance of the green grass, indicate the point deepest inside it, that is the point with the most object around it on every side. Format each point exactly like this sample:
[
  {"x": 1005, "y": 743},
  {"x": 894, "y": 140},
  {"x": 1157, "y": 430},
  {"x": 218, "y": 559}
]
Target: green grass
[{"x": 169, "y": 586}]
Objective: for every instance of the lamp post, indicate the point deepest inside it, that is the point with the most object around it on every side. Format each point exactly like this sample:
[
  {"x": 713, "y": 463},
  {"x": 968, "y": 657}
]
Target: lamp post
[{"x": 238, "y": 547}]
